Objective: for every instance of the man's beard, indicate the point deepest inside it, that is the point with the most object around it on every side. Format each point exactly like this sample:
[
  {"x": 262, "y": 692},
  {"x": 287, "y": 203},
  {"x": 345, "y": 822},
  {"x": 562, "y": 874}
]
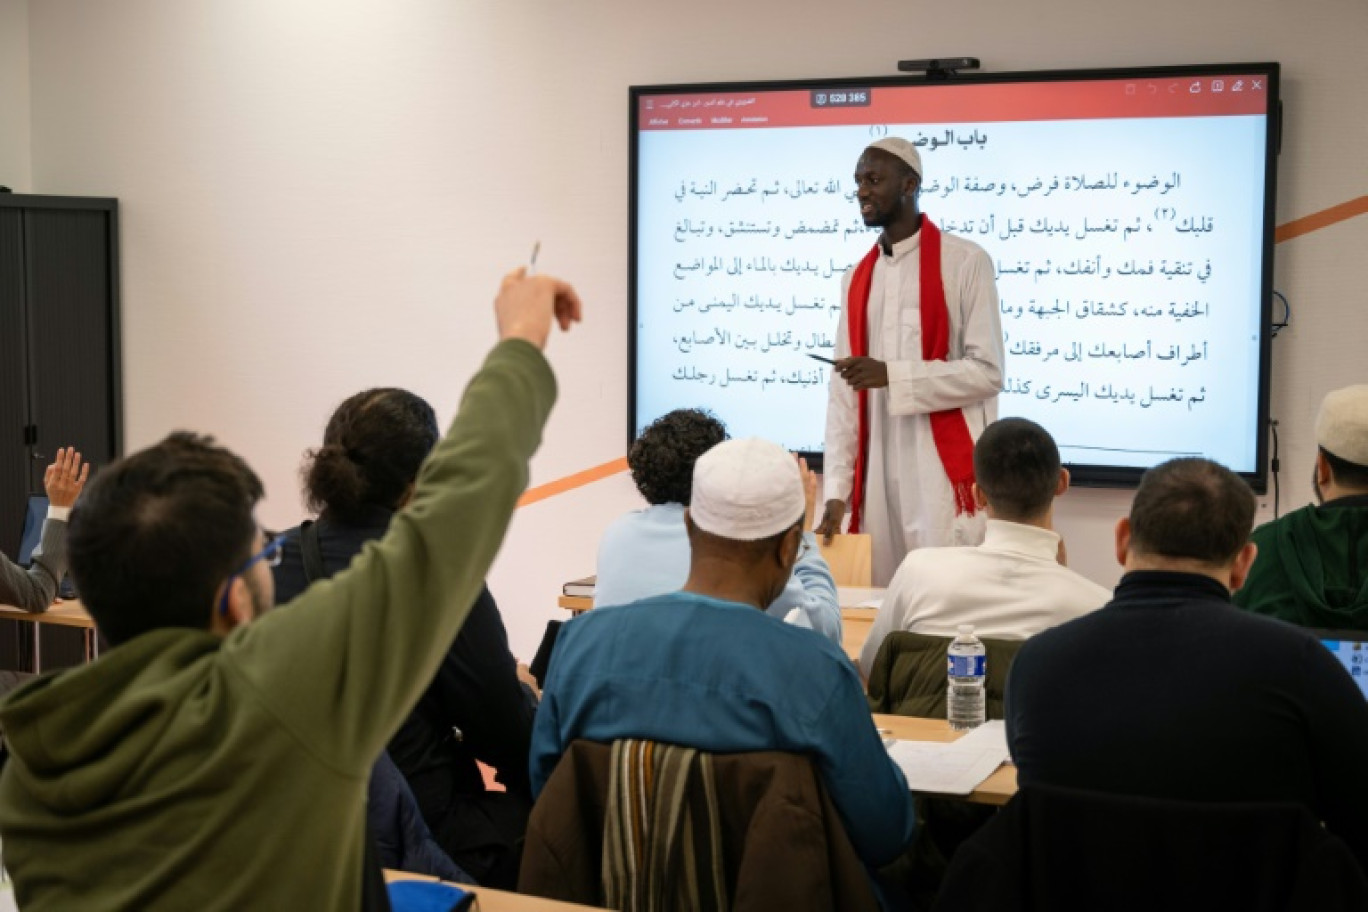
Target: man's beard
[{"x": 882, "y": 218}]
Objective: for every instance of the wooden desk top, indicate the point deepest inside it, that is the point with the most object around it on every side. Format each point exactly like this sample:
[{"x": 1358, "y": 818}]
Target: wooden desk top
[
  {"x": 996, "y": 789},
  {"x": 575, "y": 603},
  {"x": 492, "y": 900},
  {"x": 66, "y": 614}
]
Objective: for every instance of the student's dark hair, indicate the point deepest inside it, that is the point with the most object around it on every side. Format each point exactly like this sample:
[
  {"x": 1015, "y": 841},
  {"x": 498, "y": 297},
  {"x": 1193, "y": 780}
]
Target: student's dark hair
[
  {"x": 662, "y": 458},
  {"x": 154, "y": 535},
  {"x": 1346, "y": 473},
  {"x": 372, "y": 449},
  {"x": 1016, "y": 463},
  {"x": 1192, "y": 508}
]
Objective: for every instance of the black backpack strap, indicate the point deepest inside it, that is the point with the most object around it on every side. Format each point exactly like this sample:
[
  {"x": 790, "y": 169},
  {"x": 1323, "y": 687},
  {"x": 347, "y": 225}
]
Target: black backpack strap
[
  {"x": 313, "y": 554},
  {"x": 541, "y": 662}
]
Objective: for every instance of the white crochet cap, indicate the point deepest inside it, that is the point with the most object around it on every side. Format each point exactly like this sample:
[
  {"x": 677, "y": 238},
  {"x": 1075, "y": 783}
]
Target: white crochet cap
[
  {"x": 900, "y": 148},
  {"x": 746, "y": 490},
  {"x": 1342, "y": 425}
]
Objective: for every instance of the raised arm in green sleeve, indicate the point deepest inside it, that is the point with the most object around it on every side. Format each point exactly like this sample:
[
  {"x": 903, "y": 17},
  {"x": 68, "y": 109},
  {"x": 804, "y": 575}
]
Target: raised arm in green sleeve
[{"x": 347, "y": 660}]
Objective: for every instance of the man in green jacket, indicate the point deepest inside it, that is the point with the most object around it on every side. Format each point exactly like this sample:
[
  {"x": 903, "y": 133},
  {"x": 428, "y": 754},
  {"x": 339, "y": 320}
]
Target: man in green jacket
[
  {"x": 1312, "y": 567},
  {"x": 206, "y": 762}
]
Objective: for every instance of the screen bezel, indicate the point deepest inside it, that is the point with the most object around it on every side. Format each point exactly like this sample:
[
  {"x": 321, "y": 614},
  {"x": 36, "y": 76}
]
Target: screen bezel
[{"x": 1082, "y": 474}]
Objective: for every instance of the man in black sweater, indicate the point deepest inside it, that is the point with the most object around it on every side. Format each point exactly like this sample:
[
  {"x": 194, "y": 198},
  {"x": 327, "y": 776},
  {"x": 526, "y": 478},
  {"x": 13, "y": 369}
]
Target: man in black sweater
[{"x": 1169, "y": 691}]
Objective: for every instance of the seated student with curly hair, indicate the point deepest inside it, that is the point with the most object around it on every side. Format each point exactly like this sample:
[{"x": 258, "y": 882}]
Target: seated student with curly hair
[
  {"x": 474, "y": 708},
  {"x": 646, "y": 552}
]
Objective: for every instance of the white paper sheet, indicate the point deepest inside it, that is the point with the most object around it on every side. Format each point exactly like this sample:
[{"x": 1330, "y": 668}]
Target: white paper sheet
[{"x": 955, "y": 767}]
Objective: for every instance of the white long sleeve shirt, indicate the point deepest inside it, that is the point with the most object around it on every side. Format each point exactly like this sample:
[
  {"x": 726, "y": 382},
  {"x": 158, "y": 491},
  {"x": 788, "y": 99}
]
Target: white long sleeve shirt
[
  {"x": 908, "y": 501},
  {"x": 1010, "y": 588}
]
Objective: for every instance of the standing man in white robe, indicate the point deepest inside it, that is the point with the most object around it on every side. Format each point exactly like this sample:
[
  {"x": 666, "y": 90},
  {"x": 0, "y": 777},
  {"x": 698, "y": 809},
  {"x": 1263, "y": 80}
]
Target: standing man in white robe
[{"x": 930, "y": 371}]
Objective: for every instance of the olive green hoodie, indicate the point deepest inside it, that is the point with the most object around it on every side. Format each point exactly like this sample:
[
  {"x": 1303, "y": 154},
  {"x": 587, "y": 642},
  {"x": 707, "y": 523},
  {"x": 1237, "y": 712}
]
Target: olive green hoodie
[
  {"x": 183, "y": 770},
  {"x": 1312, "y": 567}
]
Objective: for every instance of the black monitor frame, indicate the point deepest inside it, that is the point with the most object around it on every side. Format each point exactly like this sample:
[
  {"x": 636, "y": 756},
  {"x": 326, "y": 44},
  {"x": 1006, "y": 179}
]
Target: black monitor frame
[{"x": 1082, "y": 475}]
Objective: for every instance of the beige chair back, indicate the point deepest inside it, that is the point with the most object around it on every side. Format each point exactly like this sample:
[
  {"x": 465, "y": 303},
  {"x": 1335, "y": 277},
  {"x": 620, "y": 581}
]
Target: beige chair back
[{"x": 850, "y": 558}]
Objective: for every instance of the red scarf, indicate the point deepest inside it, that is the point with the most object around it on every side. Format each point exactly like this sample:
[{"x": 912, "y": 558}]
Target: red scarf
[{"x": 950, "y": 431}]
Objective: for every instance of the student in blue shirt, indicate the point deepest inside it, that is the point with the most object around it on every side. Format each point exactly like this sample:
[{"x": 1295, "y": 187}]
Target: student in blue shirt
[
  {"x": 646, "y": 552},
  {"x": 708, "y": 668}
]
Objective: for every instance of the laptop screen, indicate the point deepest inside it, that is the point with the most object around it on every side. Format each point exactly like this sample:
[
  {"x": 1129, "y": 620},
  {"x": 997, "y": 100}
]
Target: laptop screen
[
  {"x": 1351, "y": 648},
  {"x": 34, "y": 517},
  {"x": 33, "y": 527}
]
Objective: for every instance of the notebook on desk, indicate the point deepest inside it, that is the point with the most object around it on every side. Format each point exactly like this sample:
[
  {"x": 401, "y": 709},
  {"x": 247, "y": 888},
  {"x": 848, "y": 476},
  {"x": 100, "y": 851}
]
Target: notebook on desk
[
  {"x": 34, "y": 517},
  {"x": 582, "y": 588},
  {"x": 1351, "y": 648}
]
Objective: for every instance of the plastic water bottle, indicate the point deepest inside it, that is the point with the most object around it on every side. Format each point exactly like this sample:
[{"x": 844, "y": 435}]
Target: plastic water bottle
[{"x": 966, "y": 668}]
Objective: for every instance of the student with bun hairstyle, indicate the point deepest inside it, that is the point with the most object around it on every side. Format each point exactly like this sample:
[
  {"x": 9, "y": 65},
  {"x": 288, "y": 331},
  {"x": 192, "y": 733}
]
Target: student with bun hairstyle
[{"x": 475, "y": 709}]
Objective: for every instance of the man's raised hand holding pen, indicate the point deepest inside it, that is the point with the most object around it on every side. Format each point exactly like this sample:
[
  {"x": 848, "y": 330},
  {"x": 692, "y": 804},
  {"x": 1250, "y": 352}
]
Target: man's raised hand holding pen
[{"x": 526, "y": 304}]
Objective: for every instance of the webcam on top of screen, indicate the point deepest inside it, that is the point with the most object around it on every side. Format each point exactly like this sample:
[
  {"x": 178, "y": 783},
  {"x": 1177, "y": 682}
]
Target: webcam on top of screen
[{"x": 940, "y": 67}]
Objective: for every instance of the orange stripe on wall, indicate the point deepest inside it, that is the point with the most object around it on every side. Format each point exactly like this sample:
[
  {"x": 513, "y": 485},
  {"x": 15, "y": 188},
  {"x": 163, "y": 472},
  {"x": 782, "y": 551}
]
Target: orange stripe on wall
[
  {"x": 1286, "y": 232},
  {"x": 570, "y": 482},
  {"x": 1318, "y": 220}
]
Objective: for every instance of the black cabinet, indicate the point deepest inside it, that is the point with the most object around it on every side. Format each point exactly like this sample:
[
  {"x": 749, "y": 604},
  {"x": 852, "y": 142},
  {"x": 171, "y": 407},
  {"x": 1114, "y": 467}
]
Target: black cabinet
[{"x": 59, "y": 364}]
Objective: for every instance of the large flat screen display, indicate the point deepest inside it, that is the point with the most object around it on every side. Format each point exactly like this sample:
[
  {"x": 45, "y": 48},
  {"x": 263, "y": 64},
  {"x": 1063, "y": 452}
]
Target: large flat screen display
[{"x": 1128, "y": 216}]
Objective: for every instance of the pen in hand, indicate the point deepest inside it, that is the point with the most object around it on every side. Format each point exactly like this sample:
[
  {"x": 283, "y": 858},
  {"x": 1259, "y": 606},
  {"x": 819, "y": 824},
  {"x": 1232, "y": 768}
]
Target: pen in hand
[
  {"x": 532, "y": 260},
  {"x": 820, "y": 358}
]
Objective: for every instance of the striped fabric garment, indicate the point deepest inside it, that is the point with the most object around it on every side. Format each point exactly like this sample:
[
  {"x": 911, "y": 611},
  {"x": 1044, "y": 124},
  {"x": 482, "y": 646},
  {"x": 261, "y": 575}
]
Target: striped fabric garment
[{"x": 662, "y": 839}]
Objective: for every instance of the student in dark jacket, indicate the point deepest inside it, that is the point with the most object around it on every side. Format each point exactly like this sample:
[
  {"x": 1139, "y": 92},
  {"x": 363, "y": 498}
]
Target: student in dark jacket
[{"x": 475, "y": 708}]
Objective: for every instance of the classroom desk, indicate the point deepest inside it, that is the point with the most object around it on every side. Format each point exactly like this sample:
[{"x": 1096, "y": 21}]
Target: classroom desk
[
  {"x": 575, "y": 604},
  {"x": 855, "y": 621},
  {"x": 491, "y": 900},
  {"x": 66, "y": 614},
  {"x": 995, "y": 790}
]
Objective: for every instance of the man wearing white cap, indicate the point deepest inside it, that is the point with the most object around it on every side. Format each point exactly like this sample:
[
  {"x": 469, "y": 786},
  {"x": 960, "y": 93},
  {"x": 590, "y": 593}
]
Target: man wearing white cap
[
  {"x": 707, "y": 668},
  {"x": 919, "y": 365},
  {"x": 1312, "y": 567}
]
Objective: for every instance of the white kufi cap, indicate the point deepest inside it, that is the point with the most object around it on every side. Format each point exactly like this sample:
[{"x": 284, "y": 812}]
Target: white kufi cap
[
  {"x": 1342, "y": 425},
  {"x": 900, "y": 148},
  {"x": 746, "y": 490}
]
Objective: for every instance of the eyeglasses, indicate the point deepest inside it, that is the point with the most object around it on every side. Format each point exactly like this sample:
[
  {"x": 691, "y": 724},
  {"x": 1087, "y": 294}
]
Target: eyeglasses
[{"x": 272, "y": 554}]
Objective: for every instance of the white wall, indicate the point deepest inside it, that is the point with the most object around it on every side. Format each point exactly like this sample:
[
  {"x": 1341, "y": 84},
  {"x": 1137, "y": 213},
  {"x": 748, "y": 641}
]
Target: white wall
[
  {"x": 320, "y": 196},
  {"x": 16, "y": 169}
]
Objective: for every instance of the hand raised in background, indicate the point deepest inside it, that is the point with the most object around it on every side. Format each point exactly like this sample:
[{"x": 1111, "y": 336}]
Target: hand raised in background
[
  {"x": 809, "y": 478},
  {"x": 65, "y": 478}
]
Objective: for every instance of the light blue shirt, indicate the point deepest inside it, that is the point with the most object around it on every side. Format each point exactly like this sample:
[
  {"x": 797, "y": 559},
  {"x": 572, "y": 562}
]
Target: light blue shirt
[
  {"x": 646, "y": 553},
  {"x": 724, "y": 677}
]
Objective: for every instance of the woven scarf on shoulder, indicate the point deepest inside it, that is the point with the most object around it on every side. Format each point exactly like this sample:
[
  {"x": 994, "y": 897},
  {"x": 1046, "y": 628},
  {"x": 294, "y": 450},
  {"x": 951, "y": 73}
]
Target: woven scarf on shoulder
[{"x": 662, "y": 837}]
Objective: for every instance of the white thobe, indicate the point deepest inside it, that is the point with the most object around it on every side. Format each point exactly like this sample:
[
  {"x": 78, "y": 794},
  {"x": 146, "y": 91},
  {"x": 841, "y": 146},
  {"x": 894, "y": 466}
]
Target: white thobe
[
  {"x": 908, "y": 501},
  {"x": 1011, "y": 587}
]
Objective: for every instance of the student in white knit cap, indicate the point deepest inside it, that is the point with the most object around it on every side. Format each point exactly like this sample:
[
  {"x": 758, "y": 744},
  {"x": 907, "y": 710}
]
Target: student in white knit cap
[{"x": 707, "y": 668}]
